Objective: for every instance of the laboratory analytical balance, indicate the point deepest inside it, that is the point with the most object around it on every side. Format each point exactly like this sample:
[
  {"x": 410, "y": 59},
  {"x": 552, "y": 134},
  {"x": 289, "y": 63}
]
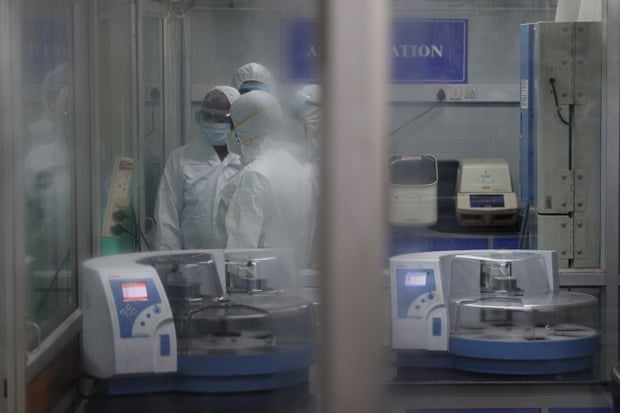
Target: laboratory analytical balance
[
  {"x": 484, "y": 193},
  {"x": 490, "y": 311},
  {"x": 195, "y": 321}
]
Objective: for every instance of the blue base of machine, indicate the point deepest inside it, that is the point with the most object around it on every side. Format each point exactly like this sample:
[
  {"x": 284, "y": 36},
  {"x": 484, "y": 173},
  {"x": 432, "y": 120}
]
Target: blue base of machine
[
  {"x": 536, "y": 357},
  {"x": 514, "y": 358},
  {"x": 220, "y": 374},
  {"x": 523, "y": 367}
]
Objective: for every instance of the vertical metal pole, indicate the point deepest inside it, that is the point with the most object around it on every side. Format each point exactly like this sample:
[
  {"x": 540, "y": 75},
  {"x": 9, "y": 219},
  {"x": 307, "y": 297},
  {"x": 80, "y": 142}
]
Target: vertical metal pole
[
  {"x": 186, "y": 63},
  {"x": 82, "y": 136},
  {"x": 354, "y": 72},
  {"x": 611, "y": 174},
  {"x": 95, "y": 126},
  {"x": 12, "y": 254},
  {"x": 138, "y": 40}
]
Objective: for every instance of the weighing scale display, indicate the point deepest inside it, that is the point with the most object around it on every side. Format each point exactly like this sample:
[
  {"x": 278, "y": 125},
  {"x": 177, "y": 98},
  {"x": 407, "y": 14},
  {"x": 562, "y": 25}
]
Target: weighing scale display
[
  {"x": 415, "y": 279},
  {"x": 486, "y": 201},
  {"x": 135, "y": 291}
]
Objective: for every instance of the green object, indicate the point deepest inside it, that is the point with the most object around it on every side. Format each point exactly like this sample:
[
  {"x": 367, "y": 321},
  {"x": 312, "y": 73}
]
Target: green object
[{"x": 117, "y": 245}]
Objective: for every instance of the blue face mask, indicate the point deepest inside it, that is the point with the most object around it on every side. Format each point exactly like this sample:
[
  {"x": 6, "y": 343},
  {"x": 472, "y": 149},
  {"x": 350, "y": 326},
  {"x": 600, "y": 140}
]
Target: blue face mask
[{"x": 215, "y": 133}]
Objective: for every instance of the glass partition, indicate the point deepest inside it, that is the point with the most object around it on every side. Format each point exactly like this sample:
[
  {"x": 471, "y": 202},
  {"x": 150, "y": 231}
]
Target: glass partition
[
  {"x": 175, "y": 61},
  {"x": 49, "y": 166},
  {"x": 494, "y": 126},
  {"x": 208, "y": 134},
  {"x": 507, "y": 100},
  {"x": 496, "y": 145},
  {"x": 183, "y": 166}
]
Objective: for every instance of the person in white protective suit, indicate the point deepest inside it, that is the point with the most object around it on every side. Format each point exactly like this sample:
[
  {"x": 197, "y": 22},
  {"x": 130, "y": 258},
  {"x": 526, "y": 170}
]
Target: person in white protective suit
[
  {"x": 193, "y": 177},
  {"x": 47, "y": 180},
  {"x": 253, "y": 76},
  {"x": 250, "y": 76},
  {"x": 306, "y": 108},
  {"x": 273, "y": 205}
]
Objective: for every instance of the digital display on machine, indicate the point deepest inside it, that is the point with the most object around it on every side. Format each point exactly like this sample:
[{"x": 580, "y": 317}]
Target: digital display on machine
[
  {"x": 486, "y": 201},
  {"x": 135, "y": 291},
  {"x": 415, "y": 279}
]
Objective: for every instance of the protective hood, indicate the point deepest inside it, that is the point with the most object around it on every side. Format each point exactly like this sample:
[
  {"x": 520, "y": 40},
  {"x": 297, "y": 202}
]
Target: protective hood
[
  {"x": 306, "y": 109},
  {"x": 257, "y": 119},
  {"x": 228, "y": 91},
  {"x": 254, "y": 72}
]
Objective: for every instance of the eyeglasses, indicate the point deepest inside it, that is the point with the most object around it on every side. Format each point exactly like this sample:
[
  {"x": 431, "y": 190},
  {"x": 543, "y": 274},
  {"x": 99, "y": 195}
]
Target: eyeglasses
[{"x": 208, "y": 115}]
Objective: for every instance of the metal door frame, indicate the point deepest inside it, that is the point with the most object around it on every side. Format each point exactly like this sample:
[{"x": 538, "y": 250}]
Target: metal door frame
[
  {"x": 610, "y": 224},
  {"x": 12, "y": 283},
  {"x": 172, "y": 94}
]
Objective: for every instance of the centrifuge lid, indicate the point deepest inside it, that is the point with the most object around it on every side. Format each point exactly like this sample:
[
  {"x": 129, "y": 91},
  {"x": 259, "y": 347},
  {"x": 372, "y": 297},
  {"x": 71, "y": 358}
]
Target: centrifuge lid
[
  {"x": 528, "y": 302},
  {"x": 178, "y": 259}
]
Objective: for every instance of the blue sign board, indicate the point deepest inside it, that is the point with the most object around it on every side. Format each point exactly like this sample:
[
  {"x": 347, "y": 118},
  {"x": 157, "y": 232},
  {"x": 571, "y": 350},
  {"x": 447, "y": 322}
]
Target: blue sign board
[
  {"x": 422, "y": 50},
  {"x": 300, "y": 50},
  {"x": 429, "y": 51}
]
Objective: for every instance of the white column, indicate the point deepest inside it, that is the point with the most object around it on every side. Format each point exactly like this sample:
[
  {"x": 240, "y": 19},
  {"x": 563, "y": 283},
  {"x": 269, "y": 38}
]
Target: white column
[{"x": 354, "y": 90}]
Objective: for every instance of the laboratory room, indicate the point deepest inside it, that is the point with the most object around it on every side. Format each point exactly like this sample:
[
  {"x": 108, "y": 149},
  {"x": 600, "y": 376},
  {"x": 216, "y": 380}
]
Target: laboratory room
[{"x": 270, "y": 206}]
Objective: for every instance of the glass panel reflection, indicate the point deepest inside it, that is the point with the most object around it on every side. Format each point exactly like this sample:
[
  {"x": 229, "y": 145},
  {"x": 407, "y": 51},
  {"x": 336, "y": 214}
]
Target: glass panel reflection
[
  {"x": 240, "y": 175},
  {"x": 508, "y": 144},
  {"x": 513, "y": 136},
  {"x": 48, "y": 166}
]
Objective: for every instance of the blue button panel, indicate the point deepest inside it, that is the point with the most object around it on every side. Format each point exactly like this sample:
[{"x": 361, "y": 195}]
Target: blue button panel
[
  {"x": 164, "y": 344},
  {"x": 407, "y": 293},
  {"x": 436, "y": 326},
  {"x": 128, "y": 311}
]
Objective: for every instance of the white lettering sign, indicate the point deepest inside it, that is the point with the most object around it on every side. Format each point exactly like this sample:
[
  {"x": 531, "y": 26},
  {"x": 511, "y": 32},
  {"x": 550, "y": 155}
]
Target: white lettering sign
[{"x": 410, "y": 51}]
